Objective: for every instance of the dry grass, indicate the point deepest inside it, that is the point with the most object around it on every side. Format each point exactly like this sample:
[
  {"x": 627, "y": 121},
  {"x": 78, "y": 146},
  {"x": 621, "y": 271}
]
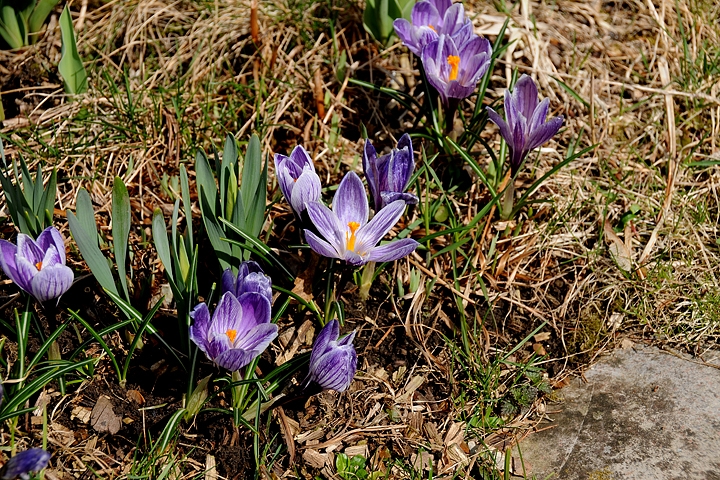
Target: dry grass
[{"x": 195, "y": 72}]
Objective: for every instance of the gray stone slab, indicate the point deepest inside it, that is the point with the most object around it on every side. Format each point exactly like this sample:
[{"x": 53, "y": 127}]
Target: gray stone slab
[{"x": 642, "y": 415}]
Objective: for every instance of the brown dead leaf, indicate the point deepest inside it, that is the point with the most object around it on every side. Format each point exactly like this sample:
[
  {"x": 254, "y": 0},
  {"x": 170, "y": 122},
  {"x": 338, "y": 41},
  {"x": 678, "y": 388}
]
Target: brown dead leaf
[
  {"x": 103, "y": 418},
  {"x": 135, "y": 396},
  {"x": 618, "y": 251}
]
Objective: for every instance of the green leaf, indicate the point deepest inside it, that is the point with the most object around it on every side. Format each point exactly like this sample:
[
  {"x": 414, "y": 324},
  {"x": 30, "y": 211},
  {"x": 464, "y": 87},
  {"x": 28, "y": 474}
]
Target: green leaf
[
  {"x": 10, "y": 29},
  {"x": 205, "y": 181},
  {"x": 71, "y": 66},
  {"x": 121, "y": 229},
  {"x": 187, "y": 206},
  {"x": 38, "y": 16},
  {"x": 252, "y": 170},
  {"x": 91, "y": 252},
  {"x": 160, "y": 238},
  {"x": 48, "y": 198},
  {"x": 86, "y": 214}
]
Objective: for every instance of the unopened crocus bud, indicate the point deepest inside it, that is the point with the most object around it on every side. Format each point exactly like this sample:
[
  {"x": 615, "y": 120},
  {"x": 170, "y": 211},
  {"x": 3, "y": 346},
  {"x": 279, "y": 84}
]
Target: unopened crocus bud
[
  {"x": 525, "y": 128},
  {"x": 389, "y": 175},
  {"x": 24, "y": 463},
  {"x": 297, "y": 178},
  {"x": 332, "y": 363},
  {"x": 37, "y": 266},
  {"x": 250, "y": 278}
]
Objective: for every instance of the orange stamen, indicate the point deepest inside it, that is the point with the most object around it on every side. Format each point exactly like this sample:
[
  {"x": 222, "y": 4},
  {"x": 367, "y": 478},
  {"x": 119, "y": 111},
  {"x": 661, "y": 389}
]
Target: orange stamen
[
  {"x": 454, "y": 62},
  {"x": 231, "y": 335},
  {"x": 351, "y": 236},
  {"x": 432, "y": 28},
  {"x": 38, "y": 265}
]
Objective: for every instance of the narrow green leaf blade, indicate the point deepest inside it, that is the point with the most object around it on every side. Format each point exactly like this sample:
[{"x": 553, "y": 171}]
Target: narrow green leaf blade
[
  {"x": 71, "y": 67},
  {"x": 91, "y": 253},
  {"x": 121, "y": 229},
  {"x": 162, "y": 245}
]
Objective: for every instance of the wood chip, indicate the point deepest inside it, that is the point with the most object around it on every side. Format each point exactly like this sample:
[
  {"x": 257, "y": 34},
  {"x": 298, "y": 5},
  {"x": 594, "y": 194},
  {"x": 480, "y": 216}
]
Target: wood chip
[{"x": 103, "y": 419}]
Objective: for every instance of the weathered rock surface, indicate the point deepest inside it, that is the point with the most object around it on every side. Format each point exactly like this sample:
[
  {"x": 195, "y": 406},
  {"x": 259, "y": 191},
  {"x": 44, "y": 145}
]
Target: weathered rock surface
[{"x": 642, "y": 415}]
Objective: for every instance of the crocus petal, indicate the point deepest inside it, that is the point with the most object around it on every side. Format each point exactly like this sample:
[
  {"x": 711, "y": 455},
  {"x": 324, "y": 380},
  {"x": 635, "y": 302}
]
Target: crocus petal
[
  {"x": 539, "y": 115},
  {"x": 347, "y": 339},
  {"x": 327, "y": 224},
  {"x": 7, "y": 259},
  {"x": 502, "y": 125},
  {"x": 369, "y": 235},
  {"x": 255, "y": 310},
  {"x": 306, "y": 189},
  {"x": 51, "y": 282},
  {"x": 300, "y": 157},
  {"x": 51, "y": 236},
  {"x": 408, "y": 198},
  {"x": 453, "y": 19},
  {"x": 228, "y": 281},
  {"x": 28, "y": 249},
  {"x": 22, "y": 464},
  {"x": 26, "y": 271},
  {"x": 255, "y": 282},
  {"x": 234, "y": 359},
  {"x": 259, "y": 338},
  {"x": 199, "y": 329},
  {"x": 228, "y": 316},
  {"x": 320, "y": 246},
  {"x": 525, "y": 96},
  {"x": 474, "y": 70},
  {"x": 285, "y": 180},
  {"x": 442, "y": 6},
  {"x": 350, "y": 202},
  {"x": 393, "y": 250},
  {"x": 335, "y": 370},
  {"x": 463, "y": 35},
  {"x": 328, "y": 334},
  {"x": 370, "y": 169},
  {"x": 425, "y": 14},
  {"x": 545, "y": 132}
]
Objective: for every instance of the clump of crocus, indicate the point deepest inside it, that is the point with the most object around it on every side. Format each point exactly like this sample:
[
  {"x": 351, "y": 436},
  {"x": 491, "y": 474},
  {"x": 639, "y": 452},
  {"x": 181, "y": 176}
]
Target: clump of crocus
[
  {"x": 453, "y": 70},
  {"x": 240, "y": 327},
  {"x": 333, "y": 363},
  {"x": 430, "y": 19},
  {"x": 250, "y": 278},
  {"x": 345, "y": 229},
  {"x": 389, "y": 175},
  {"x": 297, "y": 178},
  {"x": 38, "y": 266},
  {"x": 24, "y": 463},
  {"x": 526, "y": 127}
]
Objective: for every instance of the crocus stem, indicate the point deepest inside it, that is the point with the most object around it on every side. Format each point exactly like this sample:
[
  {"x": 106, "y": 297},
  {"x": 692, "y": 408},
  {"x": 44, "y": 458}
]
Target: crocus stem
[
  {"x": 366, "y": 280},
  {"x": 506, "y": 207}
]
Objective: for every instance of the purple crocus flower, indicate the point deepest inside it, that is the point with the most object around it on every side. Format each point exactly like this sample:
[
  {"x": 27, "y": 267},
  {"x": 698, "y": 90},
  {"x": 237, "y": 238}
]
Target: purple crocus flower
[
  {"x": 297, "y": 178},
  {"x": 347, "y": 233},
  {"x": 37, "y": 266},
  {"x": 431, "y": 18},
  {"x": 389, "y": 175},
  {"x": 250, "y": 278},
  {"x": 23, "y": 463},
  {"x": 239, "y": 330},
  {"x": 332, "y": 363},
  {"x": 525, "y": 128},
  {"x": 455, "y": 72}
]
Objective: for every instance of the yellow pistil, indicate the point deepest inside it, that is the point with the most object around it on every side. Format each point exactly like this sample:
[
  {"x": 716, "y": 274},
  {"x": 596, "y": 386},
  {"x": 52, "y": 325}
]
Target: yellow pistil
[
  {"x": 454, "y": 62},
  {"x": 351, "y": 236},
  {"x": 432, "y": 28},
  {"x": 38, "y": 265},
  {"x": 231, "y": 335}
]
